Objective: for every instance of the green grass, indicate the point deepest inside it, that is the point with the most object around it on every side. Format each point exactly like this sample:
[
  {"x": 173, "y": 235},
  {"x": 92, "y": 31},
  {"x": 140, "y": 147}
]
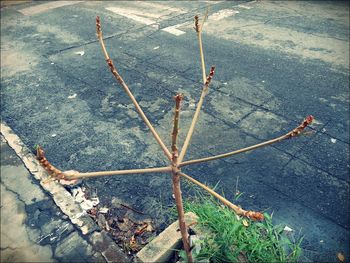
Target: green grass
[{"x": 231, "y": 241}]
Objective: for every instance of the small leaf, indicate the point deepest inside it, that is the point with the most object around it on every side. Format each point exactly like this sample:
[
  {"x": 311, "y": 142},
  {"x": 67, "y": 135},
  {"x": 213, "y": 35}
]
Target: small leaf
[
  {"x": 288, "y": 229},
  {"x": 340, "y": 257},
  {"x": 245, "y": 222}
]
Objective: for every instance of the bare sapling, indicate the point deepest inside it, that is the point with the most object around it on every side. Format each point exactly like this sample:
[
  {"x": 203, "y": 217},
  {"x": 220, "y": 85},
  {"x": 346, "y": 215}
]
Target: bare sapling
[
  {"x": 176, "y": 179},
  {"x": 176, "y": 159}
]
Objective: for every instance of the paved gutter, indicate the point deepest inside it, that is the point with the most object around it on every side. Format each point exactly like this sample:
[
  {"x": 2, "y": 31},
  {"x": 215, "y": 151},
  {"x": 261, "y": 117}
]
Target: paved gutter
[{"x": 41, "y": 222}]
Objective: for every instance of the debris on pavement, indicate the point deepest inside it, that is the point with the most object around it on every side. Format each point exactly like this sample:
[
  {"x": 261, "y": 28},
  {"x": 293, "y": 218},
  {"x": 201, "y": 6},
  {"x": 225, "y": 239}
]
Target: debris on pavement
[
  {"x": 72, "y": 96},
  {"x": 287, "y": 229},
  {"x": 103, "y": 210},
  {"x": 340, "y": 257},
  {"x": 130, "y": 229},
  {"x": 85, "y": 204},
  {"x": 81, "y": 53}
]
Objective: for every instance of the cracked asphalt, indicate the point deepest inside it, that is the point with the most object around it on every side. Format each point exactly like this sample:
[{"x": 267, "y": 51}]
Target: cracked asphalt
[
  {"x": 276, "y": 63},
  {"x": 33, "y": 229}
]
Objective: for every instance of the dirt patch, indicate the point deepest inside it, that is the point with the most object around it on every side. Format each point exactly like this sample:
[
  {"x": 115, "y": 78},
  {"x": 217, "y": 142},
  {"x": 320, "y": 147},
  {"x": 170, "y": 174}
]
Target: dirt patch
[
  {"x": 12, "y": 2},
  {"x": 15, "y": 61}
]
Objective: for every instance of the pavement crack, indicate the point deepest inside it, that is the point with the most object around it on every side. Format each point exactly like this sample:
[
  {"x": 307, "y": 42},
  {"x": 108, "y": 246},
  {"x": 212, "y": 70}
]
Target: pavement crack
[
  {"x": 9, "y": 247},
  {"x": 14, "y": 192},
  {"x": 331, "y": 37}
]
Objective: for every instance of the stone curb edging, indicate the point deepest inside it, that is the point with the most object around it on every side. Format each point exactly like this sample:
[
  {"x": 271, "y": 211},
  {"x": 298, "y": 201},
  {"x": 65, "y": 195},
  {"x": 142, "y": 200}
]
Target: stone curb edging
[
  {"x": 162, "y": 248},
  {"x": 97, "y": 237}
]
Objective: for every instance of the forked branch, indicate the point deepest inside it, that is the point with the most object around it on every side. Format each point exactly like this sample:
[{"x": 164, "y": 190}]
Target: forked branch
[
  {"x": 127, "y": 90},
  {"x": 196, "y": 114},
  {"x": 295, "y": 132},
  {"x": 238, "y": 210},
  {"x": 206, "y": 82}
]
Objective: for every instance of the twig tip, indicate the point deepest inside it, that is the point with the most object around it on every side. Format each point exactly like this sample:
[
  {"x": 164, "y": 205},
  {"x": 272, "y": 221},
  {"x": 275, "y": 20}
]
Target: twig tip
[
  {"x": 210, "y": 76},
  {"x": 256, "y": 216},
  {"x": 178, "y": 97},
  {"x": 98, "y": 25},
  {"x": 196, "y": 23},
  {"x": 298, "y": 130}
]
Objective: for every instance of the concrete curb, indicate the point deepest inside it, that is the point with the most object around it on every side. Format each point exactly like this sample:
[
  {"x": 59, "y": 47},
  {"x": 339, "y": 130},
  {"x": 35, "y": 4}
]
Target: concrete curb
[
  {"x": 98, "y": 238},
  {"x": 162, "y": 248}
]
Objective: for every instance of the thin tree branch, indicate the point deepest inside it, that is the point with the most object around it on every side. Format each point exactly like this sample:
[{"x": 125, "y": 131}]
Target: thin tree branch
[
  {"x": 127, "y": 90},
  {"x": 73, "y": 175},
  {"x": 178, "y": 98},
  {"x": 70, "y": 176},
  {"x": 238, "y": 210},
  {"x": 176, "y": 180},
  {"x": 199, "y": 35},
  {"x": 202, "y": 55},
  {"x": 196, "y": 114},
  {"x": 204, "y": 18},
  {"x": 199, "y": 29},
  {"x": 297, "y": 131}
]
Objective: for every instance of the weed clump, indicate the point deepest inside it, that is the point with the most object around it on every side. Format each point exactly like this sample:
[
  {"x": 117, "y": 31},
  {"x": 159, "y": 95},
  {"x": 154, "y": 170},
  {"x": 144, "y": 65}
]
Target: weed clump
[{"x": 229, "y": 237}]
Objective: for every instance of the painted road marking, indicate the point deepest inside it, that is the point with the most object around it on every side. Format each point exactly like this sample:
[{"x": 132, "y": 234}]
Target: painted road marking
[
  {"x": 164, "y": 7},
  {"x": 153, "y": 19},
  {"x": 36, "y": 9},
  {"x": 173, "y": 30},
  {"x": 245, "y": 6},
  {"x": 222, "y": 14},
  {"x": 148, "y": 18},
  {"x": 133, "y": 14},
  {"x": 213, "y": 2}
]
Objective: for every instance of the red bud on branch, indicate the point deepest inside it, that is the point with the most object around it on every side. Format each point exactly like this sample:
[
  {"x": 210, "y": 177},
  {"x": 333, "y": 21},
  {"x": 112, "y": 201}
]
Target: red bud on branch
[
  {"x": 52, "y": 170},
  {"x": 298, "y": 130},
  {"x": 98, "y": 25},
  {"x": 196, "y": 24},
  {"x": 110, "y": 64},
  {"x": 256, "y": 216},
  {"x": 210, "y": 76},
  {"x": 178, "y": 98}
]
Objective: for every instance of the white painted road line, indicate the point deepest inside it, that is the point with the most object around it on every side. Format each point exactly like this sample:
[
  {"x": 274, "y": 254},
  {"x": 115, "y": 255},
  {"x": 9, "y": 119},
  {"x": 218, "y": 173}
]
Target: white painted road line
[
  {"x": 245, "y": 7},
  {"x": 169, "y": 9},
  {"x": 222, "y": 14},
  {"x": 133, "y": 14},
  {"x": 33, "y": 10},
  {"x": 213, "y": 2},
  {"x": 173, "y": 30},
  {"x": 147, "y": 18}
]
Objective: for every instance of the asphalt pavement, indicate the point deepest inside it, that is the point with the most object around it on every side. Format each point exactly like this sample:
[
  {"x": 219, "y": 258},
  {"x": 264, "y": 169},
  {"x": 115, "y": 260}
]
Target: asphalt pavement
[{"x": 276, "y": 63}]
